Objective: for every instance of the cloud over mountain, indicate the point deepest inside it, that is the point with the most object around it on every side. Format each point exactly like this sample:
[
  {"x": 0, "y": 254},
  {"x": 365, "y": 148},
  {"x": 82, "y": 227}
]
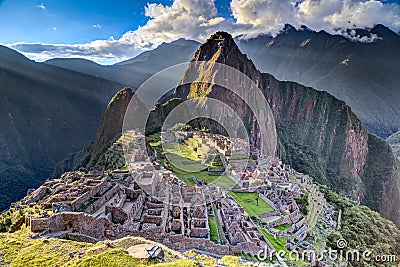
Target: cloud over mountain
[{"x": 197, "y": 19}]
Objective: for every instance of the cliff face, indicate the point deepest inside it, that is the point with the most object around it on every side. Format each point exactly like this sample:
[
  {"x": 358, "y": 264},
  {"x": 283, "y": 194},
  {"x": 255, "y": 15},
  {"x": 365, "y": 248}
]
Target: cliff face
[
  {"x": 317, "y": 133},
  {"x": 382, "y": 179}
]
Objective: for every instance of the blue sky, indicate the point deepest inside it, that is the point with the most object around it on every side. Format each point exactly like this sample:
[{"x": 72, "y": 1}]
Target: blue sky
[
  {"x": 74, "y": 21},
  {"x": 68, "y": 21},
  {"x": 108, "y": 31}
]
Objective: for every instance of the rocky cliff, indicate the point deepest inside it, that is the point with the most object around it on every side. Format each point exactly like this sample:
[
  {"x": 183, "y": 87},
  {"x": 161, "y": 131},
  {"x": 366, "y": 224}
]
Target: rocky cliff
[
  {"x": 318, "y": 134},
  {"x": 112, "y": 121},
  {"x": 382, "y": 179}
]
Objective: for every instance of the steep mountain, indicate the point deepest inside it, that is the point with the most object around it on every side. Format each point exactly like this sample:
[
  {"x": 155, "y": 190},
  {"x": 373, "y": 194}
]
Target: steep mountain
[
  {"x": 112, "y": 121},
  {"x": 394, "y": 141},
  {"x": 318, "y": 134},
  {"x": 109, "y": 130},
  {"x": 362, "y": 73},
  {"x": 132, "y": 73},
  {"x": 46, "y": 113},
  {"x": 226, "y": 52}
]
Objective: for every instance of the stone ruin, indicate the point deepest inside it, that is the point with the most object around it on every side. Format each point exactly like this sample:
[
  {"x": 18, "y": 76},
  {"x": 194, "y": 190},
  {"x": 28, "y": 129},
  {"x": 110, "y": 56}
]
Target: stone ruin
[{"x": 152, "y": 202}]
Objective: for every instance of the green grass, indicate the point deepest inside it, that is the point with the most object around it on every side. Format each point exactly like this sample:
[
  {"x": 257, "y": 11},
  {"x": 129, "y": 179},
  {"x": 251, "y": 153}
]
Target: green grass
[
  {"x": 248, "y": 202},
  {"x": 174, "y": 157},
  {"x": 214, "y": 237},
  {"x": 278, "y": 243},
  {"x": 87, "y": 205},
  {"x": 19, "y": 250},
  {"x": 282, "y": 227},
  {"x": 220, "y": 231}
]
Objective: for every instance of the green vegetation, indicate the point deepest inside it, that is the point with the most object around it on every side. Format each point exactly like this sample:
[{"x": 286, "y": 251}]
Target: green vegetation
[
  {"x": 184, "y": 162},
  {"x": 214, "y": 237},
  {"x": 283, "y": 227},
  {"x": 230, "y": 261},
  {"x": 303, "y": 203},
  {"x": 114, "y": 157},
  {"x": 18, "y": 249},
  {"x": 13, "y": 218},
  {"x": 394, "y": 141},
  {"x": 278, "y": 242},
  {"x": 221, "y": 235},
  {"x": 87, "y": 205},
  {"x": 249, "y": 202},
  {"x": 363, "y": 229}
]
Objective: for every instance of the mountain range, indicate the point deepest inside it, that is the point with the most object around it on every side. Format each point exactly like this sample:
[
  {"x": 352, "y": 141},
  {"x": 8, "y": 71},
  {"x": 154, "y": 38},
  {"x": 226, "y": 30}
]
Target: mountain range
[
  {"x": 363, "y": 74},
  {"x": 52, "y": 109},
  {"x": 360, "y": 70}
]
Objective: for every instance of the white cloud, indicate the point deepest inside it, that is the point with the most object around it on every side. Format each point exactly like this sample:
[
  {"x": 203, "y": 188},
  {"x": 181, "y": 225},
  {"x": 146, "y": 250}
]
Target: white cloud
[
  {"x": 41, "y": 6},
  {"x": 191, "y": 19},
  {"x": 329, "y": 15},
  {"x": 267, "y": 15},
  {"x": 102, "y": 51},
  {"x": 198, "y": 19},
  {"x": 96, "y": 26}
]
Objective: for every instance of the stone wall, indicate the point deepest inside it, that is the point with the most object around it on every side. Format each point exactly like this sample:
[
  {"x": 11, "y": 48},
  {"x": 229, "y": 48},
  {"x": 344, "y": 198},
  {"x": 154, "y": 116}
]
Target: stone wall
[
  {"x": 269, "y": 202},
  {"x": 85, "y": 227},
  {"x": 77, "y": 203},
  {"x": 246, "y": 247},
  {"x": 117, "y": 214},
  {"x": 179, "y": 242},
  {"x": 39, "y": 225},
  {"x": 103, "y": 199},
  {"x": 153, "y": 219}
]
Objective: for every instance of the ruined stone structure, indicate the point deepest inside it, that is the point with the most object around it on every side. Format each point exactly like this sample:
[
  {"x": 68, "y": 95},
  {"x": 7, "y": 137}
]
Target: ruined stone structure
[{"x": 152, "y": 202}]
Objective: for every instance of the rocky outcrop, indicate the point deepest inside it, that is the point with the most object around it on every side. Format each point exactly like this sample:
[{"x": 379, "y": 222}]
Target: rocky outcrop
[{"x": 363, "y": 74}]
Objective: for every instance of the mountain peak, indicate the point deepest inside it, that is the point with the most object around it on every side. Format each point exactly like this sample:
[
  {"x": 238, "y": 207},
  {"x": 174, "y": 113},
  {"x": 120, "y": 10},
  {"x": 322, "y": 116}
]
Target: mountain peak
[
  {"x": 305, "y": 28},
  {"x": 221, "y": 48},
  {"x": 289, "y": 28},
  {"x": 383, "y": 31},
  {"x": 221, "y": 36}
]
